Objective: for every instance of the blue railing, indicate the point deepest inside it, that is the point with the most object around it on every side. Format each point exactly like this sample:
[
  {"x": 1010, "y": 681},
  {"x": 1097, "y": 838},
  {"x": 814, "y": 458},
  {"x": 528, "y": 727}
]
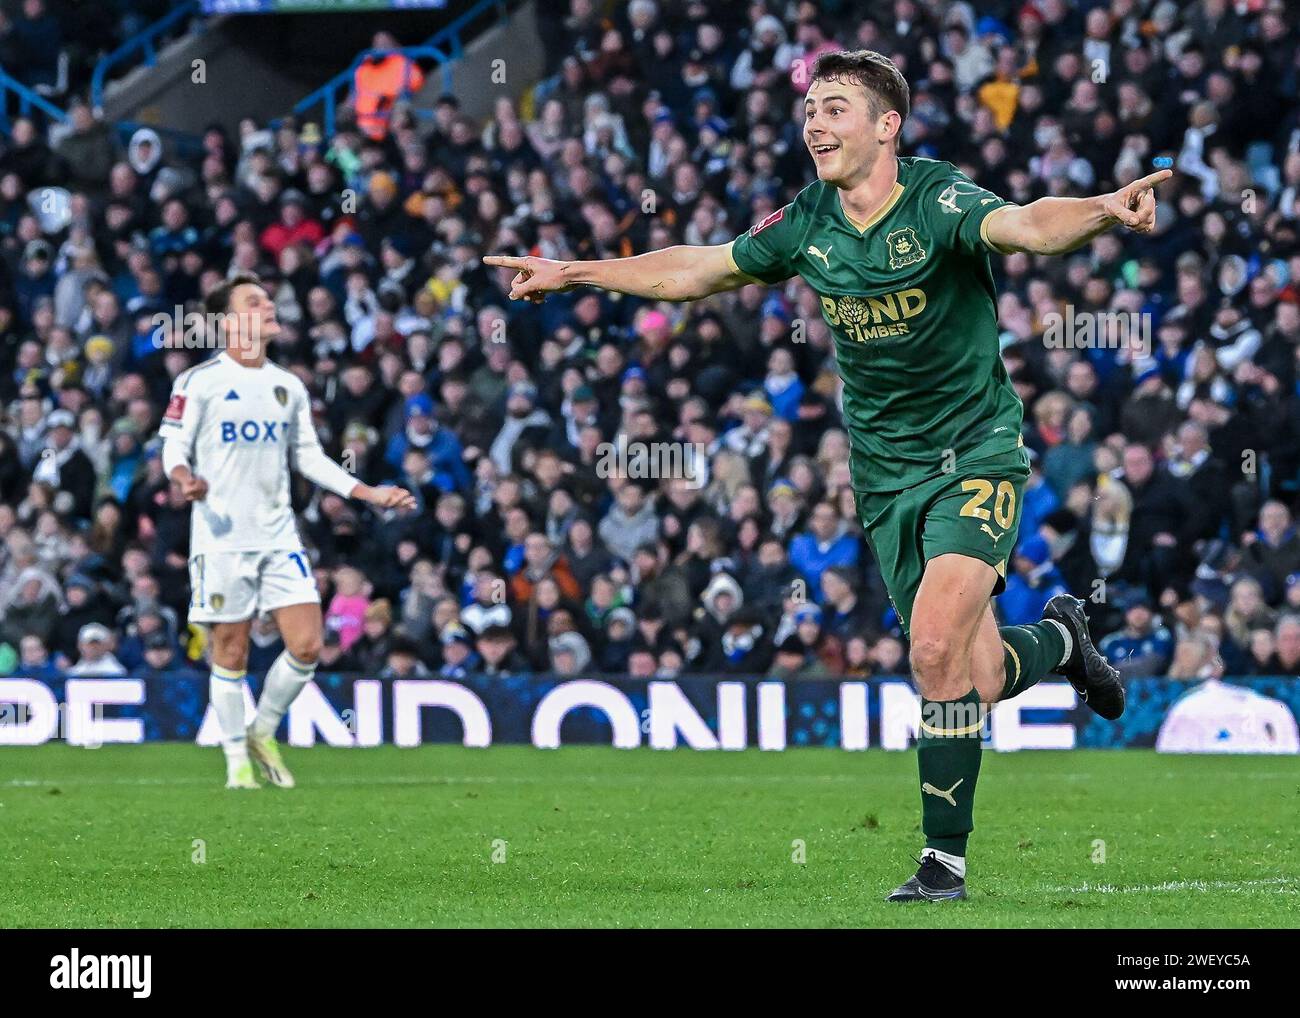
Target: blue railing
[
  {"x": 445, "y": 47},
  {"x": 144, "y": 43},
  {"x": 28, "y": 99}
]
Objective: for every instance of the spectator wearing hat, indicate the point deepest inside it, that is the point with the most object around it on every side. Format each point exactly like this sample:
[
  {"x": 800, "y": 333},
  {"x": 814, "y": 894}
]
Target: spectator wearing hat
[
  {"x": 1032, "y": 582},
  {"x": 34, "y": 281},
  {"x": 459, "y": 658},
  {"x": 141, "y": 627},
  {"x": 440, "y": 445},
  {"x": 617, "y": 639},
  {"x": 743, "y": 647},
  {"x": 161, "y": 659},
  {"x": 95, "y": 653},
  {"x": 64, "y": 466},
  {"x": 749, "y": 437},
  {"x": 97, "y": 371},
  {"x": 569, "y": 654},
  {"x": 31, "y": 605},
  {"x": 786, "y": 511},
  {"x": 580, "y": 410},
  {"x": 526, "y": 426},
  {"x": 381, "y": 214},
  {"x": 82, "y": 605}
]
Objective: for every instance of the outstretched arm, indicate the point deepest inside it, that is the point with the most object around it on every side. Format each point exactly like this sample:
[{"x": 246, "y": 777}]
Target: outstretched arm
[
  {"x": 1054, "y": 226},
  {"x": 674, "y": 273},
  {"x": 318, "y": 468}
]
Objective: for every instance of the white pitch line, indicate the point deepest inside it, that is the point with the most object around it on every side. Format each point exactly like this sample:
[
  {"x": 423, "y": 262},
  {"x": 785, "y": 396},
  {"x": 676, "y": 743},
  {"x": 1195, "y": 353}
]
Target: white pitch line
[
  {"x": 410, "y": 779},
  {"x": 1288, "y": 886}
]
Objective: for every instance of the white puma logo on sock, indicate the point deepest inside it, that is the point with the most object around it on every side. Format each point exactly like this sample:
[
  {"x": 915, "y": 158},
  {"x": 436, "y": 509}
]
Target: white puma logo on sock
[{"x": 929, "y": 789}]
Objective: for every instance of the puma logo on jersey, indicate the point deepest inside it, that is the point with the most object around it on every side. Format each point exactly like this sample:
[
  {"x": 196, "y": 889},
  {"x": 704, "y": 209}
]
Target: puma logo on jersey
[
  {"x": 825, "y": 256},
  {"x": 989, "y": 530},
  {"x": 929, "y": 789}
]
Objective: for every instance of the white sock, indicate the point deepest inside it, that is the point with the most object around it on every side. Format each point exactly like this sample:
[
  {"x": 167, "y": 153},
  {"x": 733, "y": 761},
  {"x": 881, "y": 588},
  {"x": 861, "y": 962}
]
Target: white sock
[
  {"x": 956, "y": 863},
  {"x": 1065, "y": 635},
  {"x": 226, "y": 691},
  {"x": 283, "y": 684}
]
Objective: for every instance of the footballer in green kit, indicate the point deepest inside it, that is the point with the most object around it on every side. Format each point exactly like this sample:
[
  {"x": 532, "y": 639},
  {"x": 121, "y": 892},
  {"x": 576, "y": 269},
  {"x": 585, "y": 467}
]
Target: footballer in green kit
[{"x": 897, "y": 251}]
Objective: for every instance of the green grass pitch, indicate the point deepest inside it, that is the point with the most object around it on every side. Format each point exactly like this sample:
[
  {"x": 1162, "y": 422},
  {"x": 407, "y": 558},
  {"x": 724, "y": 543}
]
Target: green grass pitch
[{"x": 591, "y": 836}]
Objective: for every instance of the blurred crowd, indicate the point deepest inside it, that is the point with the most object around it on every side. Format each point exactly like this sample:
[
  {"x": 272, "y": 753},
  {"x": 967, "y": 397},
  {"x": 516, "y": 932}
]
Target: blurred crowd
[
  {"x": 1166, "y": 473},
  {"x": 52, "y": 46}
]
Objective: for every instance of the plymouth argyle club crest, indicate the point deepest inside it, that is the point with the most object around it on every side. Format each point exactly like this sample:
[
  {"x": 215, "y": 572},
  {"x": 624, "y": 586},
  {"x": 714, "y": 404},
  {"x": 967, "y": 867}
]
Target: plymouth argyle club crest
[{"x": 904, "y": 248}]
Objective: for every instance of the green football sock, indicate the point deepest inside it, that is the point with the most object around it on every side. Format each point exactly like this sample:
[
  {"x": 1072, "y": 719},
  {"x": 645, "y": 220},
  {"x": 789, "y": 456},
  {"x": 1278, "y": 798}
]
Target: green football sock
[
  {"x": 948, "y": 750},
  {"x": 1030, "y": 653}
]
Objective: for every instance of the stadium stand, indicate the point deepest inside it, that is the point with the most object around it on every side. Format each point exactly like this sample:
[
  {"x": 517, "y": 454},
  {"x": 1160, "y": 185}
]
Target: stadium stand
[{"x": 1167, "y": 479}]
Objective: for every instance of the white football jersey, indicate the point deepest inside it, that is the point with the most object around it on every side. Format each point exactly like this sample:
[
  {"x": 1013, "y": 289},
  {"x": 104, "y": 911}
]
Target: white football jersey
[{"x": 239, "y": 428}]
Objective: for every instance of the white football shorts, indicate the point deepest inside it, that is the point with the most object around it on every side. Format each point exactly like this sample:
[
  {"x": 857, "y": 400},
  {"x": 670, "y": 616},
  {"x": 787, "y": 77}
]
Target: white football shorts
[{"x": 230, "y": 586}]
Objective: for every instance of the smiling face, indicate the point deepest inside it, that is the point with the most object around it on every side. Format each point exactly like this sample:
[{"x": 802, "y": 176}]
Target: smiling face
[{"x": 847, "y": 127}]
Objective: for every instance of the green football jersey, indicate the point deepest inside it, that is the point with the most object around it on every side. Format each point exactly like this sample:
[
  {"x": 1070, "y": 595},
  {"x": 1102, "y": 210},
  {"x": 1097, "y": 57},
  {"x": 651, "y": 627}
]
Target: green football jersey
[{"x": 910, "y": 300}]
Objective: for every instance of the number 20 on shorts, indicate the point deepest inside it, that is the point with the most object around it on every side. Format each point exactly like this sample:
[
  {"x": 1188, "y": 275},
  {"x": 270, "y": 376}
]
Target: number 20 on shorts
[{"x": 1004, "y": 505}]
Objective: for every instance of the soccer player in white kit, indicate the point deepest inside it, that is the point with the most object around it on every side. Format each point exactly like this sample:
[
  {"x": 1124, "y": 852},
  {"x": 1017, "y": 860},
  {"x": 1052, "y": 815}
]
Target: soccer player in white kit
[{"x": 233, "y": 425}]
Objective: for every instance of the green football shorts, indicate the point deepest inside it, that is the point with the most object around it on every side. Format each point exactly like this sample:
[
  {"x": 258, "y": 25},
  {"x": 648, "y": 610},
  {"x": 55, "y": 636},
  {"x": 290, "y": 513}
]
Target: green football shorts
[{"x": 974, "y": 510}]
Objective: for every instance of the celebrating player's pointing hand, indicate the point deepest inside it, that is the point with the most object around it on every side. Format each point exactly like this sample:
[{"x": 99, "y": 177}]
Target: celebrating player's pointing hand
[
  {"x": 536, "y": 276},
  {"x": 1134, "y": 205}
]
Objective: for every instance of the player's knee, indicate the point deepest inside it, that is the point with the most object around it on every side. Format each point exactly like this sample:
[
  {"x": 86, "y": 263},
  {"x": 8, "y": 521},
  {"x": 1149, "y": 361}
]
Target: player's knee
[
  {"x": 306, "y": 649},
  {"x": 229, "y": 651},
  {"x": 932, "y": 657}
]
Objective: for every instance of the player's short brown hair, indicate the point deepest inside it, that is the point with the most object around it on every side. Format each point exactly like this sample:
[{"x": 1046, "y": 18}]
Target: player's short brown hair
[
  {"x": 217, "y": 302},
  {"x": 873, "y": 71}
]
